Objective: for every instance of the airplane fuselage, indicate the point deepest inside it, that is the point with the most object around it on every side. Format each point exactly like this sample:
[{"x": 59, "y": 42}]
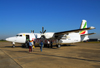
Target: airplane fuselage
[{"x": 22, "y": 37}]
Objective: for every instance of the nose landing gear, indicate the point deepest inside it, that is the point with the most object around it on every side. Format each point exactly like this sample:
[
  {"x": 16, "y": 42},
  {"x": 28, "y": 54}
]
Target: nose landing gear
[{"x": 13, "y": 44}]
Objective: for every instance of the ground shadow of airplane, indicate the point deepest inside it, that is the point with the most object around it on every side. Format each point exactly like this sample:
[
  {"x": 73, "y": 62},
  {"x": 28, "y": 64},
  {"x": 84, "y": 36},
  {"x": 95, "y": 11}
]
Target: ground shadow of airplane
[{"x": 64, "y": 45}]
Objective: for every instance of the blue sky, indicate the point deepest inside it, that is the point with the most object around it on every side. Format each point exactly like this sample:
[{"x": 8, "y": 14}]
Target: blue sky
[{"x": 17, "y": 16}]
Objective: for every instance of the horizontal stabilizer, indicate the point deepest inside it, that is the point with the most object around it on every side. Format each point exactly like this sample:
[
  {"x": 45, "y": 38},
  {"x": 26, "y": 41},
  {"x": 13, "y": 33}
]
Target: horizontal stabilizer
[{"x": 88, "y": 34}]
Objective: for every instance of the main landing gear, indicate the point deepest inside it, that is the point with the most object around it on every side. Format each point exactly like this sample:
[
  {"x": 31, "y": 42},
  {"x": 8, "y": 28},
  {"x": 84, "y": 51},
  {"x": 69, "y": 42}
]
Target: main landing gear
[{"x": 58, "y": 45}]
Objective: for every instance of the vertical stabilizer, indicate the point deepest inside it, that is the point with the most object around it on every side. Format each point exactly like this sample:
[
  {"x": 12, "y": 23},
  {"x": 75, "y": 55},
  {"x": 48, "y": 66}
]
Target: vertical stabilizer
[{"x": 84, "y": 25}]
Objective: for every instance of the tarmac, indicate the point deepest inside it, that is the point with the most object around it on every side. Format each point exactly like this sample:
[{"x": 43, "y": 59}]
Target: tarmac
[{"x": 78, "y": 55}]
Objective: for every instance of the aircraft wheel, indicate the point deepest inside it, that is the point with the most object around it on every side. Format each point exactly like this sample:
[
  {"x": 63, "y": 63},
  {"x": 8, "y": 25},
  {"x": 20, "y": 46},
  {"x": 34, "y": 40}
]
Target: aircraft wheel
[
  {"x": 13, "y": 46},
  {"x": 59, "y": 46}
]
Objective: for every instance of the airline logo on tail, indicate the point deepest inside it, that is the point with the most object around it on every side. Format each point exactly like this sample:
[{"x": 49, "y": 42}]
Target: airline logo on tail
[{"x": 82, "y": 27}]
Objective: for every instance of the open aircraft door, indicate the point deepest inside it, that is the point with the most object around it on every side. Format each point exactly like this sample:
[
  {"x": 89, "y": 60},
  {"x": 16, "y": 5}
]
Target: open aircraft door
[{"x": 27, "y": 37}]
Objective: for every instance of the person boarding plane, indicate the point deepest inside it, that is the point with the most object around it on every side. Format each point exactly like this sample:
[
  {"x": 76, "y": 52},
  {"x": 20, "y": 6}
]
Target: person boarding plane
[{"x": 71, "y": 36}]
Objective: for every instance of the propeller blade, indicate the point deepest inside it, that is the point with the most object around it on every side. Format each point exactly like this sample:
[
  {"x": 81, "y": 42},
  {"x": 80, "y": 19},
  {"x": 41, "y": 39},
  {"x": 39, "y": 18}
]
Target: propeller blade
[{"x": 42, "y": 29}]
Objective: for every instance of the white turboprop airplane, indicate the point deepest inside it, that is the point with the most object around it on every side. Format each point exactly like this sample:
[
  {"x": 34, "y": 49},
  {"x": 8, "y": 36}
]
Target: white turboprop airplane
[{"x": 71, "y": 36}]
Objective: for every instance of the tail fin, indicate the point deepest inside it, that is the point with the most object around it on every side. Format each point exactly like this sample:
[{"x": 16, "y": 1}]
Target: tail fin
[{"x": 83, "y": 25}]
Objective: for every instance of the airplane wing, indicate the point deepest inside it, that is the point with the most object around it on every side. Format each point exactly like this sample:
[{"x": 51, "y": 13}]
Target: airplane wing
[{"x": 70, "y": 31}]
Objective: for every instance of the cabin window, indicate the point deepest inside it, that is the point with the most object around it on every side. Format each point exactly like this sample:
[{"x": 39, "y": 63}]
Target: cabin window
[{"x": 19, "y": 35}]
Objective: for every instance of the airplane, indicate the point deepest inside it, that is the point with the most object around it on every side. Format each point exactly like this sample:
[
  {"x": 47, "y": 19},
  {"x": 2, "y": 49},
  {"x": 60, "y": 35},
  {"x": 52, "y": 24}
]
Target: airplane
[{"x": 71, "y": 36}]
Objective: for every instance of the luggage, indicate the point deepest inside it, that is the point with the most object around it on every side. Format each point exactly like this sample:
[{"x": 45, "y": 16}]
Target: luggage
[{"x": 33, "y": 46}]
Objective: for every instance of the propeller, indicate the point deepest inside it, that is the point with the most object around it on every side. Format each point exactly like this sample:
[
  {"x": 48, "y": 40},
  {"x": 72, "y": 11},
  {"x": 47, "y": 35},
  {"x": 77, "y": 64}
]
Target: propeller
[{"x": 43, "y": 31}]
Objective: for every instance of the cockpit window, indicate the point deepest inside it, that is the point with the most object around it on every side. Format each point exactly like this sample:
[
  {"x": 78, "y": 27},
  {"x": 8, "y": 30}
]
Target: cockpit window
[{"x": 20, "y": 35}]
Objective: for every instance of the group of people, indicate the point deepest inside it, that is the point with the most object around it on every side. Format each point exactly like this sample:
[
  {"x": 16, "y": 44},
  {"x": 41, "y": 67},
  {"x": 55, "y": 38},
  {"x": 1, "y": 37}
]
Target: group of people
[{"x": 31, "y": 45}]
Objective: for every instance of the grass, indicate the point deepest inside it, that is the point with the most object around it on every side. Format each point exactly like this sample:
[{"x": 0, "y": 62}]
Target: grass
[{"x": 3, "y": 41}]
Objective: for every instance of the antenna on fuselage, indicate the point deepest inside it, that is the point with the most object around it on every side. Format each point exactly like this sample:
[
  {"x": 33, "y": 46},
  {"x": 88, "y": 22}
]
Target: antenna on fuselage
[{"x": 32, "y": 31}]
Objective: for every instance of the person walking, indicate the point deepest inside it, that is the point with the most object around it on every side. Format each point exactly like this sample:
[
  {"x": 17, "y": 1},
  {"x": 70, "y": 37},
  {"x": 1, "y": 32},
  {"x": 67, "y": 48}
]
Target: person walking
[
  {"x": 30, "y": 46},
  {"x": 41, "y": 46},
  {"x": 51, "y": 43}
]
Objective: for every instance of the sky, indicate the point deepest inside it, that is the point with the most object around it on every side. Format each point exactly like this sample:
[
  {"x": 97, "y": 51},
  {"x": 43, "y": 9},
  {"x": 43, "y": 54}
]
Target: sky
[{"x": 18, "y": 16}]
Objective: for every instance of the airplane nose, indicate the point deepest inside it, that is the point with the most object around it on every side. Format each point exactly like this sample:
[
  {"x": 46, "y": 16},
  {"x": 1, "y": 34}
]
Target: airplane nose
[
  {"x": 7, "y": 39},
  {"x": 11, "y": 39}
]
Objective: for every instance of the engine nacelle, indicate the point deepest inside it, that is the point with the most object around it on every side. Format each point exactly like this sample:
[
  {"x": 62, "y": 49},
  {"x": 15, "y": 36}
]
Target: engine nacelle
[{"x": 48, "y": 35}]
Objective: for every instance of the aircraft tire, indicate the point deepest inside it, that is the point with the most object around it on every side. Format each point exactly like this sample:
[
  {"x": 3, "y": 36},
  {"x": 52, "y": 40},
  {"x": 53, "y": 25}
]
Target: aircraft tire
[
  {"x": 13, "y": 46},
  {"x": 59, "y": 46}
]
